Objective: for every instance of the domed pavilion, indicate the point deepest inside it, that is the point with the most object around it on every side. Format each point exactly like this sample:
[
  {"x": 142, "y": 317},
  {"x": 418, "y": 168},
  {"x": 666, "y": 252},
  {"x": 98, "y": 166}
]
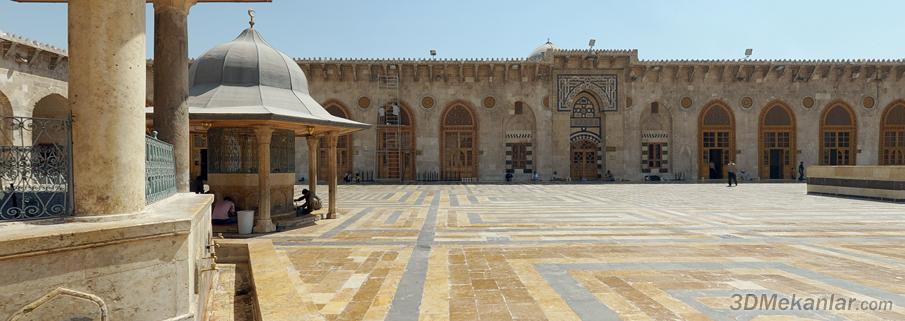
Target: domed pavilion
[{"x": 248, "y": 102}]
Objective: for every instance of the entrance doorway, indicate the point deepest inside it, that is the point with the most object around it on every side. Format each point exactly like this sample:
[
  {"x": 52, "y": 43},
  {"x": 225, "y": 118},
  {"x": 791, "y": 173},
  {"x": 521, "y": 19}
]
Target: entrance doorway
[
  {"x": 777, "y": 163},
  {"x": 716, "y": 156},
  {"x": 716, "y": 140},
  {"x": 584, "y": 160}
]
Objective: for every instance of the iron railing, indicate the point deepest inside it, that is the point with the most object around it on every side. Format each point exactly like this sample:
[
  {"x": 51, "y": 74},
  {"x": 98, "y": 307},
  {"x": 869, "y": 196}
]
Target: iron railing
[
  {"x": 35, "y": 168},
  {"x": 160, "y": 169}
]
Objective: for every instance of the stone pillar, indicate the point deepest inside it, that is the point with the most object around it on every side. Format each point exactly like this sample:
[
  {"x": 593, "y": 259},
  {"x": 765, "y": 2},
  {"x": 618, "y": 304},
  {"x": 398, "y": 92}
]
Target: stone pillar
[
  {"x": 312, "y": 163},
  {"x": 331, "y": 173},
  {"x": 263, "y": 224},
  {"x": 171, "y": 82},
  {"x": 107, "y": 98}
]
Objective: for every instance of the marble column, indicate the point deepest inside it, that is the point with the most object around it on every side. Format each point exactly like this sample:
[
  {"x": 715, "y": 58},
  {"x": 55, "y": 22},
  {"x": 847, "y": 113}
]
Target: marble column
[
  {"x": 312, "y": 163},
  {"x": 331, "y": 173},
  {"x": 263, "y": 224},
  {"x": 107, "y": 98},
  {"x": 171, "y": 82}
]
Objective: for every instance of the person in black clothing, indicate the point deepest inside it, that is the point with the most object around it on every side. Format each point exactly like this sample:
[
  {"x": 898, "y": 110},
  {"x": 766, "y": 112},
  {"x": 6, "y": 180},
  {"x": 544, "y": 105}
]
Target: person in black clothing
[
  {"x": 312, "y": 203},
  {"x": 801, "y": 171}
]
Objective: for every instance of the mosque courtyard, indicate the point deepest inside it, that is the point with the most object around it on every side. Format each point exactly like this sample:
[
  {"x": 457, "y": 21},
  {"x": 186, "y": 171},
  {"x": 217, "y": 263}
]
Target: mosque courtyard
[{"x": 599, "y": 252}]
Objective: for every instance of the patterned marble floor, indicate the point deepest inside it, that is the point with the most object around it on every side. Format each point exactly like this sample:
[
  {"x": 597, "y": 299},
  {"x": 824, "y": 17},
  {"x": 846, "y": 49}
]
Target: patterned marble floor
[{"x": 600, "y": 252}]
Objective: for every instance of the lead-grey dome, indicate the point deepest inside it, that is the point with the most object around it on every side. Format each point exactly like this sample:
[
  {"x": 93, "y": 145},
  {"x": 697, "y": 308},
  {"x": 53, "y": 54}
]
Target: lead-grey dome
[
  {"x": 247, "y": 77},
  {"x": 540, "y": 52}
]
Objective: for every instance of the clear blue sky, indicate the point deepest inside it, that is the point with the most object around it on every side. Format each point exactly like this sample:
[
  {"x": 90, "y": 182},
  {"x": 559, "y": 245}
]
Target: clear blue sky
[{"x": 665, "y": 29}]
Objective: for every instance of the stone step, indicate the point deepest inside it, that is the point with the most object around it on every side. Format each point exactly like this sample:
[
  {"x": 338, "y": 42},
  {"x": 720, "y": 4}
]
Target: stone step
[{"x": 291, "y": 222}]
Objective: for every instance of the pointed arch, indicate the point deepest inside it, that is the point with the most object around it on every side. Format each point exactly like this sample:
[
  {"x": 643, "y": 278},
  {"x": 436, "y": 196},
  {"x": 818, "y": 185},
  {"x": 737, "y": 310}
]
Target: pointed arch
[
  {"x": 6, "y": 127},
  {"x": 585, "y": 152},
  {"x": 838, "y": 134},
  {"x": 344, "y": 147},
  {"x": 51, "y": 106},
  {"x": 892, "y": 134},
  {"x": 458, "y": 141},
  {"x": 395, "y": 142},
  {"x": 716, "y": 139},
  {"x": 776, "y": 153}
]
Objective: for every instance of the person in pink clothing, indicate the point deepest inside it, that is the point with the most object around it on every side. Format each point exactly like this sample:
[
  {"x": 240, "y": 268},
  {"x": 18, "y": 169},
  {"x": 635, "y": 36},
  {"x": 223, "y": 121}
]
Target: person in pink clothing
[{"x": 224, "y": 212}]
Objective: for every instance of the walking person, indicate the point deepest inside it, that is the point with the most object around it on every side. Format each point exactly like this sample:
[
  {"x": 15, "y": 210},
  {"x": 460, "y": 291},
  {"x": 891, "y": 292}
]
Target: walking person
[
  {"x": 801, "y": 171},
  {"x": 732, "y": 168}
]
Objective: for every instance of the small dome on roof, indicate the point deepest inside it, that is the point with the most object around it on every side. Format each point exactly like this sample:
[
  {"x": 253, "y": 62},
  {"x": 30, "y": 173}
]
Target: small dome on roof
[
  {"x": 539, "y": 52},
  {"x": 247, "y": 77}
]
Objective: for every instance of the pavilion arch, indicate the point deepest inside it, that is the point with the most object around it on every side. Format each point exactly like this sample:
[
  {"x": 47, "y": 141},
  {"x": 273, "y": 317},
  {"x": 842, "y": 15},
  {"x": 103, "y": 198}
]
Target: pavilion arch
[
  {"x": 395, "y": 142},
  {"x": 838, "y": 134},
  {"x": 344, "y": 147},
  {"x": 520, "y": 139},
  {"x": 892, "y": 134},
  {"x": 656, "y": 132},
  {"x": 776, "y": 152},
  {"x": 458, "y": 141},
  {"x": 716, "y": 139},
  {"x": 56, "y": 107},
  {"x": 6, "y": 126}
]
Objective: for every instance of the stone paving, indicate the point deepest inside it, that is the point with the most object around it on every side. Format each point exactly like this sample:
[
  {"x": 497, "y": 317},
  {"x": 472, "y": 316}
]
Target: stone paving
[{"x": 599, "y": 252}]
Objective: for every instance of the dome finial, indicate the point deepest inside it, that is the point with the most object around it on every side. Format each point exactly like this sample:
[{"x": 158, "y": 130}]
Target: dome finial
[
  {"x": 251, "y": 15},
  {"x": 548, "y": 40}
]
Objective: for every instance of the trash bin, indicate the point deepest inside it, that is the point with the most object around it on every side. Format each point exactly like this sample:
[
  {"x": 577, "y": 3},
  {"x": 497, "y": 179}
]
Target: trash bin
[{"x": 246, "y": 221}]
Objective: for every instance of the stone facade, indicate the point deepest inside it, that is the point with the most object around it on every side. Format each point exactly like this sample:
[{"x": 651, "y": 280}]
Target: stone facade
[
  {"x": 33, "y": 78},
  {"x": 636, "y": 109}
]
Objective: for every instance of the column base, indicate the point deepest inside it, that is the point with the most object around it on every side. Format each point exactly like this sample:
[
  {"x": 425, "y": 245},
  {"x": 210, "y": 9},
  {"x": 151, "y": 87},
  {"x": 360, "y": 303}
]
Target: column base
[
  {"x": 264, "y": 226},
  {"x": 331, "y": 216}
]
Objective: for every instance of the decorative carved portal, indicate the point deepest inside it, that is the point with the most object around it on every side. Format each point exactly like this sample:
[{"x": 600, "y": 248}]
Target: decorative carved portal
[
  {"x": 395, "y": 143},
  {"x": 777, "y": 153},
  {"x": 343, "y": 148},
  {"x": 585, "y": 137},
  {"x": 716, "y": 140},
  {"x": 892, "y": 135},
  {"x": 838, "y": 135},
  {"x": 458, "y": 146}
]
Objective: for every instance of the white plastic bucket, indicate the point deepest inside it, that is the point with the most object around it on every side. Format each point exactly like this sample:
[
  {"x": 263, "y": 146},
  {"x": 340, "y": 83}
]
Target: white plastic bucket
[{"x": 246, "y": 221}]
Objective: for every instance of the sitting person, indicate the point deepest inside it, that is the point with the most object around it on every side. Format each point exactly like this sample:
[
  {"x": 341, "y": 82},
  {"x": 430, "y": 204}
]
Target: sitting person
[
  {"x": 312, "y": 203},
  {"x": 224, "y": 212},
  {"x": 609, "y": 177}
]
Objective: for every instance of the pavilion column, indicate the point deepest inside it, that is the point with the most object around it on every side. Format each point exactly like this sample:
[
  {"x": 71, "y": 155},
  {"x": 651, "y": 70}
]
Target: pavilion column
[
  {"x": 171, "y": 82},
  {"x": 312, "y": 162},
  {"x": 331, "y": 173},
  {"x": 263, "y": 224},
  {"x": 107, "y": 98}
]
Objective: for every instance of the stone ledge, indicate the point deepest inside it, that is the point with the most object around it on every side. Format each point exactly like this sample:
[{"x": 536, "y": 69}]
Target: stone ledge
[
  {"x": 275, "y": 297},
  {"x": 165, "y": 218}
]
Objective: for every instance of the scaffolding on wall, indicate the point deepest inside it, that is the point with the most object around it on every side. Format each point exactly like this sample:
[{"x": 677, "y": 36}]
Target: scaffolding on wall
[{"x": 391, "y": 164}]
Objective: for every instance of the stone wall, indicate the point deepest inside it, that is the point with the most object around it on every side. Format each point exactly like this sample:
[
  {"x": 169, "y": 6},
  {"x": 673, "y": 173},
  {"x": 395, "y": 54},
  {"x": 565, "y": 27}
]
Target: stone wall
[
  {"x": 29, "y": 72},
  {"x": 745, "y": 87}
]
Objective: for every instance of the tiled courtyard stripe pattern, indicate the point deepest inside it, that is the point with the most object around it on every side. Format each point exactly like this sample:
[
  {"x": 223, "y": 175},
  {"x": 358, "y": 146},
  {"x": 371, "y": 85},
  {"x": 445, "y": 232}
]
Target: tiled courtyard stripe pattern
[{"x": 595, "y": 252}]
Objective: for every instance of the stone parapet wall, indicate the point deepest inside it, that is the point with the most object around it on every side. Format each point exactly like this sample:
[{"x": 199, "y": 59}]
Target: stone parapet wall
[{"x": 879, "y": 182}]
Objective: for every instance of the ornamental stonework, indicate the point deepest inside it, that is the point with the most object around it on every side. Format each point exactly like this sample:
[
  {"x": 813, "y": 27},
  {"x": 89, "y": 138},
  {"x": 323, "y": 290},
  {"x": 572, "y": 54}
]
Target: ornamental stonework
[
  {"x": 747, "y": 102},
  {"x": 868, "y": 102},
  {"x": 364, "y": 102},
  {"x": 604, "y": 87},
  {"x": 427, "y": 102},
  {"x": 489, "y": 102},
  {"x": 686, "y": 102},
  {"x": 807, "y": 102}
]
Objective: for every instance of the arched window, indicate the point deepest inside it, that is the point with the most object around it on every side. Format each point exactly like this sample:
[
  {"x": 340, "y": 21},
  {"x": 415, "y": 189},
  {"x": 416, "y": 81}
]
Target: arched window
[
  {"x": 838, "y": 135},
  {"x": 892, "y": 135},
  {"x": 776, "y": 139},
  {"x": 458, "y": 146},
  {"x": 395, "y": 142},
  {"x": 716, "y": 141},
  {"x": 343, "y": 147}
]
